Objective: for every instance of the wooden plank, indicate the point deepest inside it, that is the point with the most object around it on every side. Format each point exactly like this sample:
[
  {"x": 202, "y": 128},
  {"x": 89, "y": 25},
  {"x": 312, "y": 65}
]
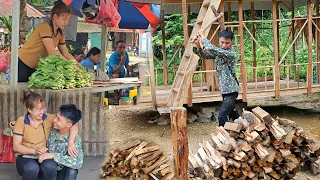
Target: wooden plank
[
  {"x": 14, "y": 46},
  {"x": 164, "y": 51},
  {"x": 81, "y": 107},
  {"x": 86, "y": 120},
  {"x": 180, "y": 141},
  {"x": 276, "y": 48},
  {"x": 232, "y": 126},
  {"x": 254, "y": 53},
  {"x": 152, "y": 82},
  {"x": 243, "y": 68},
  {"x": 310, "y": 65}
]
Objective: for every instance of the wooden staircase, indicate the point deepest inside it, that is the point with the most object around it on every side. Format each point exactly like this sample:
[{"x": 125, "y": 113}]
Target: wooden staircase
[{"x": 189, "y": 60}]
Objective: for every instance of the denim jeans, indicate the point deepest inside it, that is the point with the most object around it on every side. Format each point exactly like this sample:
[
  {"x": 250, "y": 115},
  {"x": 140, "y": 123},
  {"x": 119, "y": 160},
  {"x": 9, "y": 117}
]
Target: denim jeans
[
  {"x": 30, "y": 169},
  {"x": 227, "y": 108},
  {"x": 67, "y": 174}
]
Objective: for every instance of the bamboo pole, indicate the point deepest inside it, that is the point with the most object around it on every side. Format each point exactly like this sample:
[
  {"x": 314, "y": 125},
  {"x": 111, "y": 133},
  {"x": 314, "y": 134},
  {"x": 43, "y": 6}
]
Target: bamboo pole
[
  {"x": 254, "y": 63},
  {"x": 243, "y": 69},
  {"x": 309, "y": 78},
  {"x": 186, "y": 39},
  {"x": 164, "y": 51},
  {"x": 151, "y": 66},
  {"x": 276, "y": 48},
  {"x": 180, "y": 142},
  {"x": 292, "y": 38},
  {"x": 318, "y": 41}
]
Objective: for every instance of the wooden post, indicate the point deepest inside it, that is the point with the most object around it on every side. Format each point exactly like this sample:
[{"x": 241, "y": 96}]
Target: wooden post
[
  {"x": 14, "y": 45},
  {"x": 186, "y": 39},
  {"x": 293, "y": 35},
  {"x": 254, "y": 62},
  {"x": 309, "y": 78},
  {"x": 243, "y": 65},
  {"x": 180, "y": 142},
  {"x": 189, "y": 20},
  {"x": 104, "y": 40},
  {"x": 229, "y": 12},
  {"x": 151, "y": 66},
  {"x": 318, "y": 41},
  {"x": 222, "y": 10},
  {"x": 164, "y": 51},
  {"x": 276, "y": 48}
]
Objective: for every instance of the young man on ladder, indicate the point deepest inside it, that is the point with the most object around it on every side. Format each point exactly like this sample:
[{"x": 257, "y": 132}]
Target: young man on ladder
[{"x": 225, "y": 58}]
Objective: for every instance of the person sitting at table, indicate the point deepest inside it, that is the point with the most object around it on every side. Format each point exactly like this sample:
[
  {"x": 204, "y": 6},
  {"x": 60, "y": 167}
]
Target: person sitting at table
[
  {"x": 119, "y": 61},
  {"x": 30, "y": 135},
  {"x": 93, "y": 58},
  {"x": 78, "y": 55},
  {"x": 68, "y": 166}
]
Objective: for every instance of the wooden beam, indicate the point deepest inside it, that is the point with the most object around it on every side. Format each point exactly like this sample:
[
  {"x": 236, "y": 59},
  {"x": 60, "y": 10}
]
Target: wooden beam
[
  {"x": 222, "y": 11},
  {"x": 276, "y": 48},
  {"x": 229, "y": 12},
  {"x": 151, "y": 80},
  {"x": 243, "y": 68},
  {"x": 164, "y": 49},
  {"x": 180, "y": 141},
  {"x": 309, "y": 77},
  {"x": 104, "y": 40},
  {"x": 14, "y": 46},
  {"x": 186, "y": 39},
  {"x": 318, "y": 41},
  {"x": 254, "y": 53},
  {"x": 292, "y": 38}
]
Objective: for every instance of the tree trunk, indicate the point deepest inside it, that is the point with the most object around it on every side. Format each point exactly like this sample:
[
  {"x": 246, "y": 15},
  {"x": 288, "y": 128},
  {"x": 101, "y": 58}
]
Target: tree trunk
[{"x": 23, "y": 17}]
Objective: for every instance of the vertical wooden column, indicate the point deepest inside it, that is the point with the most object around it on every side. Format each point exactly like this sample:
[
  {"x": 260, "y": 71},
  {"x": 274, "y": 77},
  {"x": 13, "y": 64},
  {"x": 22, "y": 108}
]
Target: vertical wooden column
[
  {"x": 180, "y": 142},
  {"x": 151, "y": 66},
  {"x": 104, "y": 40},
  {"x": 222, "y": 9},
  {"x": 186, "y": 39},
  {"x": 309, "y": 77},
  {"x": 293, "y": 35},
  {"x": 254, "y": 53},
  {"x": 229, "y": 12},
  {"x": 14, "y": 45},
  {"x": 243, "y": 64},
  {"x": 164, "y": 51},
  {"x": 318, "y": 41},
  {"x": 276, "y": 48},
  {"x": 189, "y": 20}
]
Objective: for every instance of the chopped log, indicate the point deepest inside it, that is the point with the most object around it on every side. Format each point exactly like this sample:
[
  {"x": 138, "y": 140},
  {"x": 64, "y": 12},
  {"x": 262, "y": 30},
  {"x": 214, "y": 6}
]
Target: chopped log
[
  {"x": 267, "y": 169},
  {"x": 315, "y": 167},
  {"x": 240, "y": 156},
  {"x": 277, "y": 131},
  {"x": 288, "y": 137},
  {"x": 263, "y": 115},
  {"x": 160, "y": 168},
  {"x": 285, "y": 152},
  {"x": 193, "y": 161},
  {"x": 155, "y": 156},
  {"x": 142, "y": 145},
  {"x": 261, "y": 151},
  {"x": 243, "y": 122},
  {"x": 251, "y": 136},
  {"x": 272, "y": 154},
  {"x": 166, "y": 170},
  {"x": 129, "y": 144},
  {"x": 146, "y": 150},
  {"x": 275, "y": 175},
  {"x": 144, "y": 156},
  {"x": 232, "y": 126},
  {"x": 168, "y": 176},
  {"x": 222, "y": 147},
  {"x": 156, "y": 164}
]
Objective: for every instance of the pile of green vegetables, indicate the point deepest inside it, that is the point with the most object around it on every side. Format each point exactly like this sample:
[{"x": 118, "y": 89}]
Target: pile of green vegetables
[{"x": 53, "y": 72}]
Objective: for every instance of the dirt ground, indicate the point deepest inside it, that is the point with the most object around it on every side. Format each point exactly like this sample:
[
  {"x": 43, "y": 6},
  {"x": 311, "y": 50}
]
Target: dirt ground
[{"x": 123, "y": 124}]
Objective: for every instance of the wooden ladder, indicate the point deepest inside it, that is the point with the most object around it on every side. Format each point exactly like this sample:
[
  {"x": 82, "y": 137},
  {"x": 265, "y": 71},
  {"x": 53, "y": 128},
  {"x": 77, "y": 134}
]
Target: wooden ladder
[{"x": 190, "y": 60}]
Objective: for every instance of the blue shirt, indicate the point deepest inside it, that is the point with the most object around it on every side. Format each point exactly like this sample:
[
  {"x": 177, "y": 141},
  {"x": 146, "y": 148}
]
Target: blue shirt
[
  {"x": 87, "y": 63},
  {"x": 115, "y": 60}
]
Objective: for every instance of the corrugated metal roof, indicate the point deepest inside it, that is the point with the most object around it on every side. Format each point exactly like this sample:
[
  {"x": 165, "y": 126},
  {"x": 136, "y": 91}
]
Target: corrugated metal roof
[
  {"x": 6, "y": 10},
  {"x": 259, "y": 5}
]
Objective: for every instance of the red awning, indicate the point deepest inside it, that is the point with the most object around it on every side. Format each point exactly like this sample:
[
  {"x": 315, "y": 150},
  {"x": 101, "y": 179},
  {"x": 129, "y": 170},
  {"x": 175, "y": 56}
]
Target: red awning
[{"x": 6, "y": 10}]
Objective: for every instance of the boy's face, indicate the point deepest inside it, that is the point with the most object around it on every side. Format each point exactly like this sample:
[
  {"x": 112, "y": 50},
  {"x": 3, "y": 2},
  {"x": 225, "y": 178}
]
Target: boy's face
[
  {"x": 121, "y": 47},
  {"x": 61, "y": 122},
  {"x": 225, "y": 43},
  {"x": 62, "y": 20}
]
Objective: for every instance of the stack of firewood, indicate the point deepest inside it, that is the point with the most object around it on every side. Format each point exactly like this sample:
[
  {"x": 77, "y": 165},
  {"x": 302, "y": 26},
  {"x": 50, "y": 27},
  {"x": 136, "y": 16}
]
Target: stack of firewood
[
  {"x": 136, "y": 160},
  {"x": 255, "y": 146}
]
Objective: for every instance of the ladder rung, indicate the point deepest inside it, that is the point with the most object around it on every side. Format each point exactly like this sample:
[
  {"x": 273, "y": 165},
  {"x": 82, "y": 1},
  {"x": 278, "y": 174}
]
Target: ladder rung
[
  {"x": 200, "y": 21},
  {"x": 187, "y": 55},
  {"x": 176, "y": 89},
  {"x": 206, "y": 4}
]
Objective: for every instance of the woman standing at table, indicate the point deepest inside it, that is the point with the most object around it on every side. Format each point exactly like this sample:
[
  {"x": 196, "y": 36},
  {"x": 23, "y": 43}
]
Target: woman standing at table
[{"x": 44, "y": 40}]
